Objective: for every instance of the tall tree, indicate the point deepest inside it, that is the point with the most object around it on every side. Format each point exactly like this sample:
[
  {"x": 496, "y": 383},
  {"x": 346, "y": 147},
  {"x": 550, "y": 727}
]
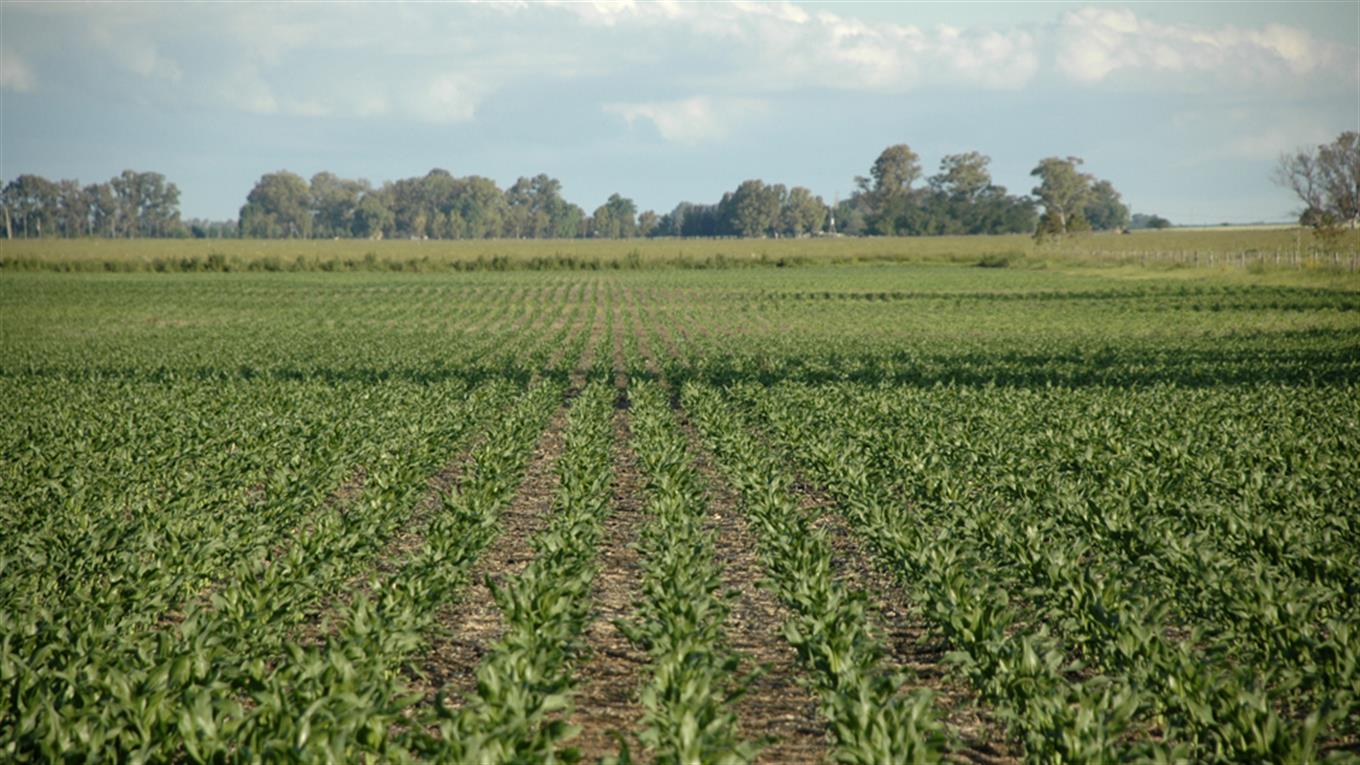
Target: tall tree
[
  {"x": 439, "y": 190},
  {"x": 372, "y": 215},
  {"x": 752, "y": 209},
  {"x": 411, "y": 207},
  {"x": 1063, "y": 191},
  {"x": 615, "y": 219},
  {"x": 334, "y": 201},
  {"x": 1104, "y": 209},
  {"x": 535, "y": 208},
  {"x": 895, "y": 170},
  {"x": 648, "y": 221},
  {"x": 802, "y": 213},
  {"x": 279, "y": 206},
  {"x": 31, "y": 203},
  {"x": 886, "y": 199},
  {"x": 963, "y": 177},
  {"x": 520, "y": 215},
  {"x": 481, "y": 206},
  {"x": 1326, "y": 179},
  {"x": 127, "y": 193},
  {"x": 130, "y": 204},
  {"x": 104, "y": 208},
  {"x": 75, "y": 208},
  {"x": 158, "y": 205}
]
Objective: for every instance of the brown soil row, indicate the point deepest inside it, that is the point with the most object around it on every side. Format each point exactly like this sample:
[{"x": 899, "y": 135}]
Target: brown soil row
[
  {"x": 776, "y": 702},
  {"x": 474, "y": 623},
  {"x": 644, "y": 343},
  {"x": 906, "y": 637},
  {"x": 398, "y": 549},
  {"x": 587, "y": 359},
  {"x": 606, "y": 703},
  {"x": 910, "y": 644},
  {"x": 411, "y": 537},
  {"x": 620, "y": 359},
  {"x": 612, "y": 670}
]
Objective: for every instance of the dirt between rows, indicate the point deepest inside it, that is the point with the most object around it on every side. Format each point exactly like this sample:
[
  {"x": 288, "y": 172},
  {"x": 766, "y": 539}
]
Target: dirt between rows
[
  {"x": 613, "y": 669},
  {"x": 910, "y": 646},
  {"x": 777, "y": 703},
  {"x": 473, "y": 624},
  {"x": 605, "y": 701},
  {"x": 908, "y": 639}
]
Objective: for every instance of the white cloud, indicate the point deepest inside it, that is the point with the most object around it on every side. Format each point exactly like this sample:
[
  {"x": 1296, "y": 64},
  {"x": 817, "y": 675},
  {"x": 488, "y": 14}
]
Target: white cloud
[
  {"x": 244, "y": 89},
  {"x": 441, "y": 63},
  {"x": 14, "y": 73},
  {"x": 1094, "y": 43},
  {"x": 447, "y": 97},
  {"x": 600, "y": 12},
  {"x": 990, "y": 59},
  {"x": 793, "y": 49},
  {"x": 690, "y": 120},
  {"x": 771, "y": 47},
  {"x": 135, "y": 53}
]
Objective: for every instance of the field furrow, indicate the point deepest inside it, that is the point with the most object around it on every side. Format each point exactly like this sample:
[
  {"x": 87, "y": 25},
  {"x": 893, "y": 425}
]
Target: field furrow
[
  {"x": 476, "y": 623},
  {"x": 776, "y": 701},
  {"x": 609, "y": 668}
]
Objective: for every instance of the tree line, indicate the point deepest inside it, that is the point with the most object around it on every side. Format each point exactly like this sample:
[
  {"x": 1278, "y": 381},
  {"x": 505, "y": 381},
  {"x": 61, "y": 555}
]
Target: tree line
[
  {"x": 894, "y": 199},
  {"x": 130, "y": 204}
]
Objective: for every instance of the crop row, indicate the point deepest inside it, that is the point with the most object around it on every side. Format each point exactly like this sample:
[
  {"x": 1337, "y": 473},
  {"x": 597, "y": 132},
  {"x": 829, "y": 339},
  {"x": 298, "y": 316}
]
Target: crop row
[
  {"x": 869, "y": 719},
  {"x": 524, "y": 683},
  {"x": 687, "y": 715}
]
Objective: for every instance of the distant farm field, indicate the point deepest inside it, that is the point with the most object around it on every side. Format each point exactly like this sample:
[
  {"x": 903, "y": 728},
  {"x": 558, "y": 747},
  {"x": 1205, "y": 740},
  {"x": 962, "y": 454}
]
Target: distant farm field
[
  {"x": 865, "y": 513},
  {"x": 1268, "y": 248}
]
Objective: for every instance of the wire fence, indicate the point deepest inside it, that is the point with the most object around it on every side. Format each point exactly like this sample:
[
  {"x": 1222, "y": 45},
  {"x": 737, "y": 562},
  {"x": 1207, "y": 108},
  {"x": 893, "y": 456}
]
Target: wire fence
[{"x": 1291, "y": 258}]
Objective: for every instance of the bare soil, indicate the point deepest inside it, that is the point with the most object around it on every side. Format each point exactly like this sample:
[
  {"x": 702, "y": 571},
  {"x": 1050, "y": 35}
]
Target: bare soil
[
  {"x": 777, "y": 702},
  {"x": 612, "y": 668},
  {"x": 474, "y": 623},
  {"x": 909, "y": 641}
]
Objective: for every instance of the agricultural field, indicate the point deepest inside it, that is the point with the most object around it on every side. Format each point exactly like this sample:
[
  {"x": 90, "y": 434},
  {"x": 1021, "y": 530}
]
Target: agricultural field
[
  {"x": 886, "y": 512},
  {"x": 1236, "y": 248}
]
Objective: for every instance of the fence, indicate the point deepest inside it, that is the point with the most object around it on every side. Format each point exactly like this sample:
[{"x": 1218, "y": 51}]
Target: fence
[{"x": 1295, "y": 258}]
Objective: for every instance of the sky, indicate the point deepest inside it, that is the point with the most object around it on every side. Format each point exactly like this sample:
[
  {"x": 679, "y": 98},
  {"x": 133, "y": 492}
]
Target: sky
[{"x": 1184, "y": 107}]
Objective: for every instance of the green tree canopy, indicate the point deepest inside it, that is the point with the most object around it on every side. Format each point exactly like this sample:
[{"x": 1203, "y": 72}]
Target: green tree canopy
[
  {"x": 280, "y": 205},
  {"x": 1063, "y": 191},
  {"x": 1326, "y": 179},
  {"x": 1104, "y": 208}
]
